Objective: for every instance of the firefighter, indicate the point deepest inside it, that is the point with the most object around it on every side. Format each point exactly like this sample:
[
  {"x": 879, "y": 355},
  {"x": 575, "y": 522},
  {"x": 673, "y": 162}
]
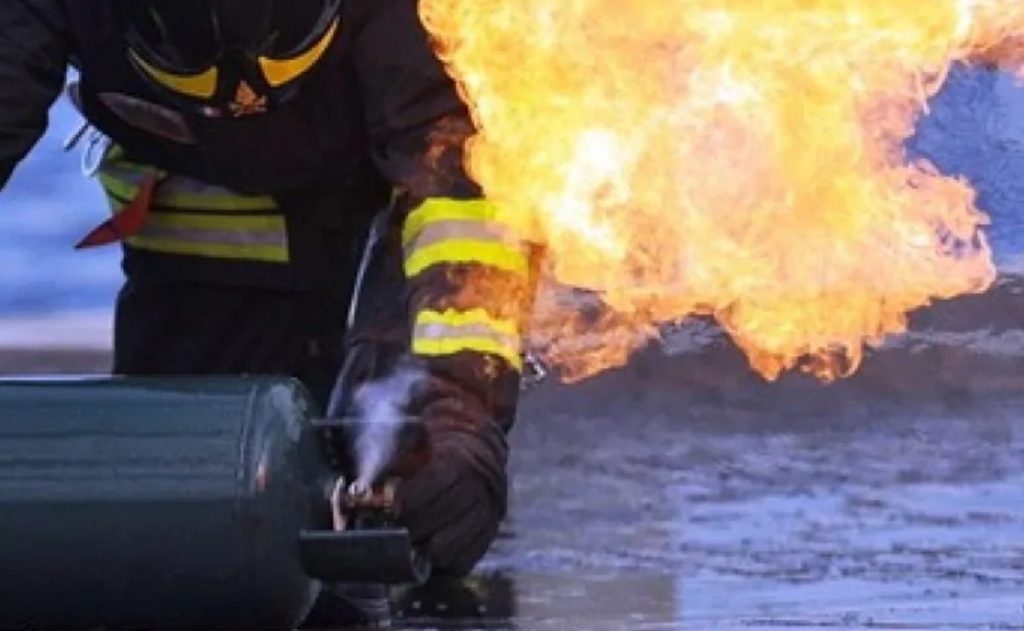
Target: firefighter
[{"x": 255, "y": 148}]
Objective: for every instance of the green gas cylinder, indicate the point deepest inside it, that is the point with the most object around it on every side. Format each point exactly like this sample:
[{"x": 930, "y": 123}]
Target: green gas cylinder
[{"x": 162, "y": 503}]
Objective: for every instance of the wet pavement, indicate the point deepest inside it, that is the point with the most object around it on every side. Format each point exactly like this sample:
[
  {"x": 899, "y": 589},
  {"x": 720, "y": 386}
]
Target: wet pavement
[
  {"x": 702, "y": 518},
  {"x": 682, "y": 492}
]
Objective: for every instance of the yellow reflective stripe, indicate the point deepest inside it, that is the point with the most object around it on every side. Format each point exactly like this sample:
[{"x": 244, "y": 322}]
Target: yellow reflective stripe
[
  {"x": 239, "y": 224},
  {"x": 447, "y": 231},
  {"x": 438, "y": 333},
  {"x": 128, "y": 172},
  {"x": 117, "y": 188},
  {"x": 116, "y": 168},
  {"x": 258, "y": 238},
  {"x": 438, "y": 209},
  {"x": 268, "y": 254},
  {"x": 440, "y": 348},
  {"x": 214, "y": 198},
  {"x": 114, "y": 153},
  {"x": 453, "y": 317},
  {"x": 499, "y": 255},
  {"x": 202, "y": 85},
  {"x": 115, "y": 157},
  {"x": 280, "y": 71}
]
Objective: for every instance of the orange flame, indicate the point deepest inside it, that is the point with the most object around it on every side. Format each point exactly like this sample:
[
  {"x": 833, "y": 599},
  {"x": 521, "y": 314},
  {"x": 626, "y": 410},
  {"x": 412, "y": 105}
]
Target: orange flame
[{"x": 735, "y": 158}]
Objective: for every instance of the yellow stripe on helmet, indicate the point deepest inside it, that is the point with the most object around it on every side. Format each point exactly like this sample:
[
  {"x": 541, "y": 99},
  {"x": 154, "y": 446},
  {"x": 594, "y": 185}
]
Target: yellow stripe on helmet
[
  {"x": 202, "y": 85},
  {"x": 280, "y": 71}
]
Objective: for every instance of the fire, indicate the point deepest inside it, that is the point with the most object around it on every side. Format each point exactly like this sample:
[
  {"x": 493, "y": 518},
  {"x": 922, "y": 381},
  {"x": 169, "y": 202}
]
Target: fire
[{"x": 739, "y": 159}]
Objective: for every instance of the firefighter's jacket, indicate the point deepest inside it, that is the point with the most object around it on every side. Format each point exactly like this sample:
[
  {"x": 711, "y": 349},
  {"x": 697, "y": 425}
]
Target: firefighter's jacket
[{"x": 379, "y": 124}]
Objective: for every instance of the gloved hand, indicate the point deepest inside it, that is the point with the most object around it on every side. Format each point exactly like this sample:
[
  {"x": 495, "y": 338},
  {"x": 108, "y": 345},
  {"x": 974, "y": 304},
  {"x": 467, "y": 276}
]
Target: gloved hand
[{"x": 452, "y": 506}]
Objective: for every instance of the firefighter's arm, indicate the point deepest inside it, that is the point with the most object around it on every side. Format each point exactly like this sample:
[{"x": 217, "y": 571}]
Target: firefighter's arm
[
  {"x": 467, "y": 287},
  {"x": 33, "y": 61}
]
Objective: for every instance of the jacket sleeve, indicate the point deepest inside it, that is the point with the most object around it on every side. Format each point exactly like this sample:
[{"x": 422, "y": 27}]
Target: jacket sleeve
[
  {"x": 33, "y": 61},
  {"x": 468, "y": 278}
]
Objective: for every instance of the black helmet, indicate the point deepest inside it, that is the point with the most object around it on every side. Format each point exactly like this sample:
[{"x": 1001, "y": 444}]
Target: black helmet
[{"x": 229, "y": 57}]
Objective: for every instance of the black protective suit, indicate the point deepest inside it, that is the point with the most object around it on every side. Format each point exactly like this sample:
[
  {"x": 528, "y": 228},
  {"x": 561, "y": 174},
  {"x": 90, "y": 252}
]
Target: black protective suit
[{"x": 377, "y": 133}]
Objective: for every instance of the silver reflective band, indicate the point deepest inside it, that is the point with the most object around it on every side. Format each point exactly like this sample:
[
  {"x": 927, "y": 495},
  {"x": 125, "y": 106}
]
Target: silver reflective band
[
  {"x": 224, "y": 237},
  {"x": 436, "y": 331},
  {"x": 434, "y": 233}
]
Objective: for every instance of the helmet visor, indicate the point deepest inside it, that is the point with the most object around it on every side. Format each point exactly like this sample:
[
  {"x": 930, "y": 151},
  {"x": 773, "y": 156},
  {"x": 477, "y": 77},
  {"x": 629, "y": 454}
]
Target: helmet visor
[{"x": 184, "y": 40}]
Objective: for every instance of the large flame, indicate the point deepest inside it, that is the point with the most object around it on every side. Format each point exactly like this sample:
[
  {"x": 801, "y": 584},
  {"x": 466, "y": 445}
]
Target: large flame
[{"x": 735, "y": 158}]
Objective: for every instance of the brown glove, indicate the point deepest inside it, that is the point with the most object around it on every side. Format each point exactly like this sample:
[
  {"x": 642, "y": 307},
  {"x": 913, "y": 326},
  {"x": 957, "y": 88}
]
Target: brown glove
[{"x": 453, "y": 505}]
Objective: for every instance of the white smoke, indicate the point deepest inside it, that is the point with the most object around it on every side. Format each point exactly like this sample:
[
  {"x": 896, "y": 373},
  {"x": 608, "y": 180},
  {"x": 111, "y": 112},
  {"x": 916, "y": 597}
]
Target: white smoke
[{"x": 379, "y": 405}]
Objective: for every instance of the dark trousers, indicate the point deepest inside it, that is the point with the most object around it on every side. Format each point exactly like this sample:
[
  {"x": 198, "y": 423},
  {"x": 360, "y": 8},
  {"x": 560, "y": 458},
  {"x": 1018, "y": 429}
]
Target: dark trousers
[{"x": 189, "y": 328}]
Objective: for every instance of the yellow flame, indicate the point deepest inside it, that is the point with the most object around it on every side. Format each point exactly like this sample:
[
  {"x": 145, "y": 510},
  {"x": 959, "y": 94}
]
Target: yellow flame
[{"x": 736, "y": 158}]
